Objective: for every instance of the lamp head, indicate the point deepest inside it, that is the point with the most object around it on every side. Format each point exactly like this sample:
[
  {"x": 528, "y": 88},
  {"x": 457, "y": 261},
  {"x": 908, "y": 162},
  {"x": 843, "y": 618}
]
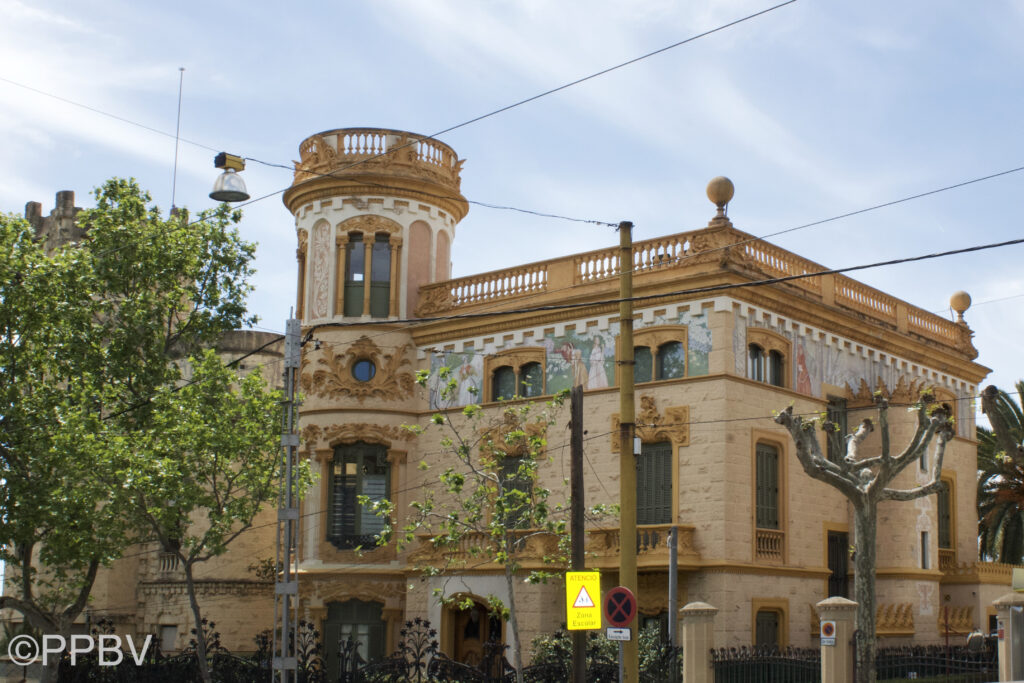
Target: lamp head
[{"x": 229, "y": 186}]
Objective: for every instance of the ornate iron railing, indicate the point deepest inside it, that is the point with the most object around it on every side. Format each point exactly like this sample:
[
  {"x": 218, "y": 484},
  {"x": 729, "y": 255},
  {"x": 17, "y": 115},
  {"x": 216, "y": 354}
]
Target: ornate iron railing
[{"x": 766, "y": 665}]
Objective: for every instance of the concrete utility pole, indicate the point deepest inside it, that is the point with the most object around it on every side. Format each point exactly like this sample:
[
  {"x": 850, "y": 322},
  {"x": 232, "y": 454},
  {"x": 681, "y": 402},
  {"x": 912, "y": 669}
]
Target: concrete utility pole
[
  {"x": 286, "y": 587},
  {"x": 627, "y": 456},
  {"x": 579, "y": 638}
]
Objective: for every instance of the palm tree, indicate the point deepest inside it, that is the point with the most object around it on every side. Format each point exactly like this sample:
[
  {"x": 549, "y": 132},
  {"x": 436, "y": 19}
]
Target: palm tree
[{"x": 1001, "y": 477}]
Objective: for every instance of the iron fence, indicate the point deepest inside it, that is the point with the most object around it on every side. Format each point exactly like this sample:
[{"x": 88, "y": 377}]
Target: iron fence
[
  {"x": 766, "y": 665},
  {"x": 955, "y": 664}
]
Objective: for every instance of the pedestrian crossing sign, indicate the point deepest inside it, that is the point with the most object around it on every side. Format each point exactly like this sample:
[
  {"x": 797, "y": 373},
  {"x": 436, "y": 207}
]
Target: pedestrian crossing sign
[{"x": 582, "y": 598}]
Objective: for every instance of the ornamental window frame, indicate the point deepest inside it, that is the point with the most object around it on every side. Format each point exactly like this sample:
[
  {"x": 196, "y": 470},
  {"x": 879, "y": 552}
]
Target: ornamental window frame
[
  {"x": 655, "y": 339},
  {"x": 768, "y": 357},
  {"x": 521, "y": 361}
]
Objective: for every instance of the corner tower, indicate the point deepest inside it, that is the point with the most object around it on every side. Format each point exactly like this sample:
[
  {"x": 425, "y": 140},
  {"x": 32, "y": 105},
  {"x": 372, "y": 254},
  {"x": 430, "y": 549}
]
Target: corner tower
[{"x": 375, "y": 211}]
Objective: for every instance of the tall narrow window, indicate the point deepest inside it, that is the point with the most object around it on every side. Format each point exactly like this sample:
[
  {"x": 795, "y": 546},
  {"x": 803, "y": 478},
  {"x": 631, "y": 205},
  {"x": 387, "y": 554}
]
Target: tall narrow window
[
  {"x": 839, "y": 573},
  {"x": 925, "y": 554},
  {"x": 755, "y": 363},
  {"x": 531, "y": 380},
  {"x": 360, "y": 469},
  {"x": 671, "y": 361},
  {"x": 355, "y": 270},
  {"x": 766, "y": 628},
  {"x": 945, "y": 517},
  {"x": 836, "y": 414},
  {"x": 767, "y": 495},
  {"x": 643, "y": 368},
  {"x": 776, "y": 369},
  {"x": 517, "y": 485},
  {"x": 380, "y": 276},
  {"x": 503, "y": 384},
  {"x": 654, "y": 484}
]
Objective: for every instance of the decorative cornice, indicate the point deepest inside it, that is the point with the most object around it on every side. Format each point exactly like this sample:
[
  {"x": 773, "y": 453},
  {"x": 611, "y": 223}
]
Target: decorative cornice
[
  {"x": 369, "y": 224},
  {"x": 316, "y": 438}
]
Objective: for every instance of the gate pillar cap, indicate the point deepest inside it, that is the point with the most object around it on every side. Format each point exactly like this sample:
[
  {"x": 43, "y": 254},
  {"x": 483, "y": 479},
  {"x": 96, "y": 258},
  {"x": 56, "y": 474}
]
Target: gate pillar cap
[
  {"x": 1010, "y": 600},
  {"x": 837, "y": 602},
  {"x": 698, "y": 608}
]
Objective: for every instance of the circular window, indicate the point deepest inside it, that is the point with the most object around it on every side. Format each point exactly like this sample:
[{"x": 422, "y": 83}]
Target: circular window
[{"x": 364, "y": 370}]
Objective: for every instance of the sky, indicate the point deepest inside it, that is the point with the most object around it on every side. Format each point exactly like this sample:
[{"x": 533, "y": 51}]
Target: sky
[{"x": 814, "y": 109}]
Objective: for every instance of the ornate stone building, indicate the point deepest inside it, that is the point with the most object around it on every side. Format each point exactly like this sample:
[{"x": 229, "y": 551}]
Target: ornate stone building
[{"x": 376, "y": 213}]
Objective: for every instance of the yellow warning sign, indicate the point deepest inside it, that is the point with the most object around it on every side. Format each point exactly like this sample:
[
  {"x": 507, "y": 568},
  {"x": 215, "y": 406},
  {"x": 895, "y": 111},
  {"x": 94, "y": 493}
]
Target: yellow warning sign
[{"x": 582, "y": 594}]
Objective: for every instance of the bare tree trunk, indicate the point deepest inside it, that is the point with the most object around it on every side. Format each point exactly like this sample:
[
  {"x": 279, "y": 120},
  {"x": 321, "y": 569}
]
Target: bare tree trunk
[
  {"x": 204, "y": 666},
  {"x": 513, "y": 623},
  {"x": 865, "y": 516}
]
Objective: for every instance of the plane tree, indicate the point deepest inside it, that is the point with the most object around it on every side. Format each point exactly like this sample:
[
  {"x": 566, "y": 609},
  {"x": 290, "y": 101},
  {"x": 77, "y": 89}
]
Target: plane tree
[{"x": 865, "y": 480}]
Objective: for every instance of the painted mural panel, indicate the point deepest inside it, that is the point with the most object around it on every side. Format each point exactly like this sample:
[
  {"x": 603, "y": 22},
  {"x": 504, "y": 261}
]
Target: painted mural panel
[
  {"x": 467, "y": 368},
  {"x": 586, "y": 358}
]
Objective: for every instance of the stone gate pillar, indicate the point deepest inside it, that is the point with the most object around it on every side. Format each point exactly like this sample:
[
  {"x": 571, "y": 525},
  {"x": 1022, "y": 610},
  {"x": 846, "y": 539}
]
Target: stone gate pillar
[
  {"x": 1011, "y": 640},
  {"x": 837, "y": 659},
  {"x": 697, "y": 621}
]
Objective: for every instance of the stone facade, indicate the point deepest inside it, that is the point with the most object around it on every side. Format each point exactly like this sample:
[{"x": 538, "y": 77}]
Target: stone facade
[{"x": 375, "y": 217}]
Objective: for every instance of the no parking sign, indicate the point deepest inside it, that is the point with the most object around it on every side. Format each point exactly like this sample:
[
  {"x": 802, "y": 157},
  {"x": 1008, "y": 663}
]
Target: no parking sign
[{"x": 828, "y": 633}]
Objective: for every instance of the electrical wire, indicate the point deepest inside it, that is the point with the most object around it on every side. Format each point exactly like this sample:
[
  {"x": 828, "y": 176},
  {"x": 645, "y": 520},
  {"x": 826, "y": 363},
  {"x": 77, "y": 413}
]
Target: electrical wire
[{"x": 680, "y": 292}]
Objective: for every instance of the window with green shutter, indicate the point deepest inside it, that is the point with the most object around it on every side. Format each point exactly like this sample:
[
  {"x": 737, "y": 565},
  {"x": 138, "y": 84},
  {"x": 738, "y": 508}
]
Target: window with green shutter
[
  {"x": 356, "y": 620},
  {"x": 836, "y": 414},
  {"x": 767, "y": 493},
  {"x": 945, "y": 517},
  {"x": 654, "y": 484},
  {"x": 380, "y": 276},
  {"x": 766, "y": 632}
]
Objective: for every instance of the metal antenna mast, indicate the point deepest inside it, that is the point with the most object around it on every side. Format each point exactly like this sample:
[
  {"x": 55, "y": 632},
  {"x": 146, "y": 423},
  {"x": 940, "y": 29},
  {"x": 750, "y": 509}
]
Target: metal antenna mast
[
  {"x": 286, "y": 588},
  {"x": 177, "y": 136}
]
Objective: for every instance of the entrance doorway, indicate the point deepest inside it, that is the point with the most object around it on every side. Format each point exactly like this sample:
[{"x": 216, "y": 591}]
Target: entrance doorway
[{"x": 468, "y": 629}]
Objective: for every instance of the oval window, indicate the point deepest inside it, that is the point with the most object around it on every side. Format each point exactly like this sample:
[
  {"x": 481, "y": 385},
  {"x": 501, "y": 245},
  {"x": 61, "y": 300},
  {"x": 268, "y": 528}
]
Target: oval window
[{"x": 364, "y": 370}]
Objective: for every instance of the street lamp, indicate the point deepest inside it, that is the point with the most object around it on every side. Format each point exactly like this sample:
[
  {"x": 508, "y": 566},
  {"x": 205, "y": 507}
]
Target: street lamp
[{"x": 229, "y": 186}]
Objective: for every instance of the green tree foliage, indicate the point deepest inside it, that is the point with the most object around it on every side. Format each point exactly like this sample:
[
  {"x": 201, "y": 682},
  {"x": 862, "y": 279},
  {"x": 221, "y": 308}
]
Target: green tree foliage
[
  {"x": 89, "y": 334},
  {"x": 490, "y": 505},
  {"x": 1001, "y": 477},
  {"x": 211, "y": 463}
]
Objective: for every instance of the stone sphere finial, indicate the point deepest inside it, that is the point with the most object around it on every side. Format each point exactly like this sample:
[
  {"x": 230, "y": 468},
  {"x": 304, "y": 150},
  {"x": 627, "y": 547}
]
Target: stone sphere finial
[
  {"x": 720, "y": 191},
  {"x": 960, "y": 302}
]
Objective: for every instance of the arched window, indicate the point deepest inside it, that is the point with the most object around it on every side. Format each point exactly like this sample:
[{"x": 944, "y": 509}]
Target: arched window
[
  {"x": 643, "y": 367},
  {"x": 359, "y": 469},
  {"x": 755, "y": 363},
  {"x": 531, "y": 380},
  {"x": 515, "y": 373},
  {"x": 503, "y": 383},
  {"x": 671, "y": 361},
  {"x": 776, "y": 369}
]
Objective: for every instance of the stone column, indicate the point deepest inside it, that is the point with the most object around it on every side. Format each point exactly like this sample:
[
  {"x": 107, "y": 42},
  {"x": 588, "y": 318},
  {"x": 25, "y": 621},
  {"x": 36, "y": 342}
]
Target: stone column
[
  {"x": 396, "y": 262},
  {"x": 697, "y": 622},
  {"x": 837, "y": 660},
  {"x": 368, "y": 240},
  {"x": 341, "y": 242},
  {"x": 1011, "y": 666},
  {"x": 300, "y": 255}
]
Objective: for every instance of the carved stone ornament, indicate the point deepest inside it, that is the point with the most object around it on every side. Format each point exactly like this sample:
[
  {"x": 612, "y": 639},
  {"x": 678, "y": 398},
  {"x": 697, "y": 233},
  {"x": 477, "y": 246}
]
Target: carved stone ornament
[
  {"x": 316, "y": 438},
  {"x": 369, "y": 225},
  {"x": 433, "y": 299},
  {"x": 334, "y": 379},
  {"x": 342, "y": 589},
  {"x": 652, "y": 426},
  {"x": 905, "y": 393},
  {"x": 303, "y": 242}
]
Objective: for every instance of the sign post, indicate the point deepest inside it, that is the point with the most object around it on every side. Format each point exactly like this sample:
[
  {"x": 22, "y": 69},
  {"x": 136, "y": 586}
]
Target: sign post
[
  {"x": 582, "y": 610},
  {"x": 619, "y": 611}
]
